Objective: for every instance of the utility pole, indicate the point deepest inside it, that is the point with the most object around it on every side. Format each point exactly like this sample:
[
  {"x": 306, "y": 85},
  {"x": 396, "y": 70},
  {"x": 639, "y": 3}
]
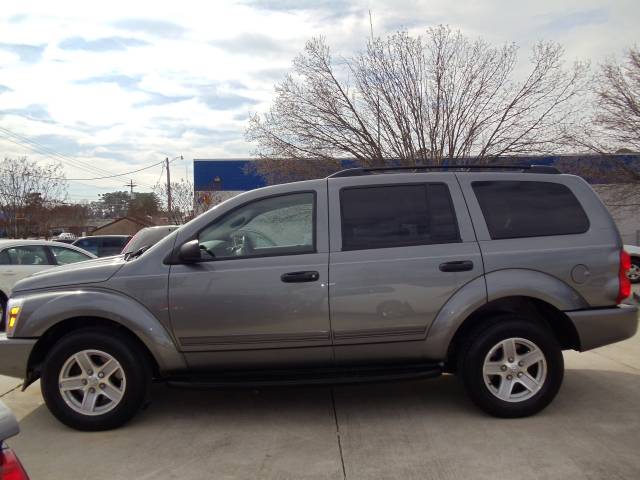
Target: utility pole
[
  {"x": 169, "y": 206},
  {"x": 130, "y": 185}
]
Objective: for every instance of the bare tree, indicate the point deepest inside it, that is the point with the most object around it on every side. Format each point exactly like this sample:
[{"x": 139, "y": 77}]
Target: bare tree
[
  {"x": 610, "y": 125},
  {"x": 182, "y": 200},
  {"x": 617, "y": 105},
  {"x": 25, "y": 187},
  {"x": 418, "y": 99}
]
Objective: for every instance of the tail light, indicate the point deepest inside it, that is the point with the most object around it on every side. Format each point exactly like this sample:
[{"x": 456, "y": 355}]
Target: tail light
[
  {"x": 10, "y": 466},
  {"x": 624, "y": 289}
]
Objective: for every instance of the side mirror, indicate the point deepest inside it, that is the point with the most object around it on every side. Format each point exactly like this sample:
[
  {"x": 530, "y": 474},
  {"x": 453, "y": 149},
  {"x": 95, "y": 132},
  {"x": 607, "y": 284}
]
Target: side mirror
[{"x": 190, "y": 252}]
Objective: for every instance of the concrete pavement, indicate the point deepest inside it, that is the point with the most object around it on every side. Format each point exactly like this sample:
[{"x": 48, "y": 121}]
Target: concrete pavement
[{"x": 423, "y": 429}]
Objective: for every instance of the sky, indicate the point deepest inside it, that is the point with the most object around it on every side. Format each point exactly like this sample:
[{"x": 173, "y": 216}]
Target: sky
[{"x": 111, "y": 87}]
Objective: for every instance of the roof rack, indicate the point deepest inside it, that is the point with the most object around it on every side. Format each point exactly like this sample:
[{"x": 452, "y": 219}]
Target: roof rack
[{"x": 355, "y": 172}]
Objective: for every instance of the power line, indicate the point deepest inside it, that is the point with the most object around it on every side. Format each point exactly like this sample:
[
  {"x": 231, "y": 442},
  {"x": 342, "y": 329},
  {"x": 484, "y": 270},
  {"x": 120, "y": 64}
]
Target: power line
[
  {"x": 43, "y": 150},
  {"x": 47, "y": 151},
  {"x": 96, "y": 178}
]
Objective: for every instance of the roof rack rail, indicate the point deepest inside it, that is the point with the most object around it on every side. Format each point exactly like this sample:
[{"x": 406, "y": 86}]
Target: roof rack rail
[{"x": 355, "y": 172}]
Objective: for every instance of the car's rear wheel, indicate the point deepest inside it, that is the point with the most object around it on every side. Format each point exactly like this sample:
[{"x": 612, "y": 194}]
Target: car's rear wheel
[
  {"x": 511, "y": 368},
  {"x": 95, "y": 379},
  {"x": 634, "y": 270}
]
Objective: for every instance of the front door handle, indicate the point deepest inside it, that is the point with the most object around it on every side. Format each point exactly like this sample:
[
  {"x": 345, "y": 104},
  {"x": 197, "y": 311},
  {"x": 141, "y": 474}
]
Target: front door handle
[
  {"x": 297, "y": 277},
  {"x": 458, "y": 266}
]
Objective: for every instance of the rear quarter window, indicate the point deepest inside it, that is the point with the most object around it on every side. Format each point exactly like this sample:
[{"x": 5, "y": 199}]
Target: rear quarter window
[{"x": 517, "y": 209}]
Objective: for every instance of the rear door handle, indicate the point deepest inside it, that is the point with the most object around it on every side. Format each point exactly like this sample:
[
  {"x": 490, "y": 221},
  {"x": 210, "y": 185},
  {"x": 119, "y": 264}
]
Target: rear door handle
[
  {"x": 458, "y": 266},
  {"x": 297, "y": 277}
]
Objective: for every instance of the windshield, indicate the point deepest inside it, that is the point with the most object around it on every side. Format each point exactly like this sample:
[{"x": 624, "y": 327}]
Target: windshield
[{"x": 147, "y": 237}]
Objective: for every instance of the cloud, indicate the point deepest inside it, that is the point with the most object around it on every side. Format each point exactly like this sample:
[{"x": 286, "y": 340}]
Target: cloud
[
  {"x": 18, "y": 18},
  {"x": 58, "y": 143},
  {"x": 123, "y": 81},
  {"x": 160, "y": 99},
  {"x": 271, "y": 74},
  {"x": 226, "y": 101},
  {"x": 27, "y": 53},
  {"x": 159, "y": 28},
  {"x": 105, "y": 44},
  {"x": 34, "y": 112},
  {"x": 252, "y": 44},
  {"x": 328, "y": 9},
  {"x": 576, "y": 19},
  {"x": 4, "y": 89}
]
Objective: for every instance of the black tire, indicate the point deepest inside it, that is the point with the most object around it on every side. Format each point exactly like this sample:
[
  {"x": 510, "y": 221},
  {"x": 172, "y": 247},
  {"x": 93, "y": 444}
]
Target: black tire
[
  {"x": 3, "y": 314},
  {"x": 481, "y": 341},
  {"x": 636, "y": 262},
  {"x": 124, "y": 350}
]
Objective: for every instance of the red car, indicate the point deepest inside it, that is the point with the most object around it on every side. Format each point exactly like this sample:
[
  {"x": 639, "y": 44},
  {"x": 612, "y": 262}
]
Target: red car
[{"x": 10, "y": 466}]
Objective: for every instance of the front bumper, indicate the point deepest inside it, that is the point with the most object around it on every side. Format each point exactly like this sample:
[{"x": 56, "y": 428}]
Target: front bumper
[
  {"x": 602, "y": 326},
  {"x": 14, "y": 355}
]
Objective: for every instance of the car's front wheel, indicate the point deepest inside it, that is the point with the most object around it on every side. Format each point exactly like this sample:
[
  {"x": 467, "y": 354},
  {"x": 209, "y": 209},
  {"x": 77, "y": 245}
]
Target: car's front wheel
[
  {"x": 511, "y": 368},
  {"x": 95, "y": 379}
]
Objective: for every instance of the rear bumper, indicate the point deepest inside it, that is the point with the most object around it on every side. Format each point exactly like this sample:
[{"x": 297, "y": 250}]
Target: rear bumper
[
  {"x": 602, "y": 326},
  {"x": 14, "y": 355}
]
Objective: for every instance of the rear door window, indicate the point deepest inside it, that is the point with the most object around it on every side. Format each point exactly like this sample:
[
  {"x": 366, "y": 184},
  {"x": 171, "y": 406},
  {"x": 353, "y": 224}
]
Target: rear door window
[
  {"x": 64, "y": 256},
  {"x": 517, "y": 209},
  {"x": 397, "y": 215}
]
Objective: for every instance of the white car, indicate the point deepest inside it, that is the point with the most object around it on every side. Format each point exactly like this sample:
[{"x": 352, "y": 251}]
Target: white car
[
  {"x": 634, "y": 271},
  {"x": 21, "y": 258}
]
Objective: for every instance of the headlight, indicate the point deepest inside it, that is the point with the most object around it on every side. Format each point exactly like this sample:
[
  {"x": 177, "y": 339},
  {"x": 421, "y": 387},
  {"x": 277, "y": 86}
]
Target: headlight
[{"x": 14, "y": 307}]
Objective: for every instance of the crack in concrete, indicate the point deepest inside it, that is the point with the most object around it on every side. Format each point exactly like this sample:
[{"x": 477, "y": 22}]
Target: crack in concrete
[
  {"x": 12, "y": 390},
  {"x": 335, "y": 416},
  {"x": 616, "y": 361}
]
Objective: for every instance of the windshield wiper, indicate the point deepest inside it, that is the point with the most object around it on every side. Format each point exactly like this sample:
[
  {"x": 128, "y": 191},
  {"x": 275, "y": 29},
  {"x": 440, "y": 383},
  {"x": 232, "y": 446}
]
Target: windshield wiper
[{"x": 137, "y": 253}]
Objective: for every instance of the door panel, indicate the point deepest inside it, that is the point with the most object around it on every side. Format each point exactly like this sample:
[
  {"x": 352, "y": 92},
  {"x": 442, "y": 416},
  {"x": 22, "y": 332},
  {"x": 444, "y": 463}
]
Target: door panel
[
  {"x": 264, "y": 289},
  {"x": 383, "y": 300}
]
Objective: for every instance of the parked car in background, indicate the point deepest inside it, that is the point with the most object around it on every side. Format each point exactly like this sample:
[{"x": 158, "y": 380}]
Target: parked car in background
[
  {"x": 147, "y": 237},
  {"x": 21, "y": 258},
  {"x": 10, "y": 466},
  {"x": 370, "y": 274},
  {"x": 103, "y": 245},
  {"x": 64, "y": 237},
  {"x": 634, "y": 271}
]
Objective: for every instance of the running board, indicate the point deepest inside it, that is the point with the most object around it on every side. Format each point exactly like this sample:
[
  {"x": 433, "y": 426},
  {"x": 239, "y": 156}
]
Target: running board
[{"x": 316, "y": 376}]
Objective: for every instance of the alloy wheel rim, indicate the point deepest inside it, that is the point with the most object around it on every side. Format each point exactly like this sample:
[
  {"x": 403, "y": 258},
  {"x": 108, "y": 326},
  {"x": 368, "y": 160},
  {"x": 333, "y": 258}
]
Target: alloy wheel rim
[
  {"x": 514, "y": 370},
  {"x": 634, "y": 272},
  {"x": 92, "y": 382}
]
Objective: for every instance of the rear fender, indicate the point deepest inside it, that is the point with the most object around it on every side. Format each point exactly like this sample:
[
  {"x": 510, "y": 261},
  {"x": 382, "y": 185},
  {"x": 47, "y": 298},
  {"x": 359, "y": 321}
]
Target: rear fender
[{"x": 494, "y": 286}]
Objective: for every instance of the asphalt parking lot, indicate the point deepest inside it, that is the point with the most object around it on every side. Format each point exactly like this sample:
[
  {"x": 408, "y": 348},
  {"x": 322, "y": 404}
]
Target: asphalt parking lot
[{"x": 423, "y": 429}]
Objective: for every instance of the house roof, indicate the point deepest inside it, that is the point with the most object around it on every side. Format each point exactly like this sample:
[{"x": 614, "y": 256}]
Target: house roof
[{"x": 139, "y": 221}]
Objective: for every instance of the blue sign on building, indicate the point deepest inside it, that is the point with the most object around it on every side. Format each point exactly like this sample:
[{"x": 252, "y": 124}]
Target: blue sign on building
[{"x": 224, "y": 175}]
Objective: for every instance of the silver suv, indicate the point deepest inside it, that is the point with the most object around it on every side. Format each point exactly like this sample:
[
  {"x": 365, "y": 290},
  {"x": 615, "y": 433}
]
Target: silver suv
[{"x": 370, "y": 274}]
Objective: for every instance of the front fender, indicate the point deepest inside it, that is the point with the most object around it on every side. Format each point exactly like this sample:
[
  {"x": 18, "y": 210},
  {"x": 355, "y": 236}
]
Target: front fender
[{"x": 43, "y": 310}]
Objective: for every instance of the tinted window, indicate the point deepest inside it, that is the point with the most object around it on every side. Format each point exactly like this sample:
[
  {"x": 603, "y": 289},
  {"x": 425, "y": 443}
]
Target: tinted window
[
  {"x": 397, "y": 215},
  {"x": 281, "y": 225},
  {"x": 529, "y": 209},
  {"x": 88, "y": 244},
  {"x": 4, "y": 258},
  {"x": 28, "y": 255},
  {"x": 65, "y": 256},
  {"x": 112, "y": 245}
]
